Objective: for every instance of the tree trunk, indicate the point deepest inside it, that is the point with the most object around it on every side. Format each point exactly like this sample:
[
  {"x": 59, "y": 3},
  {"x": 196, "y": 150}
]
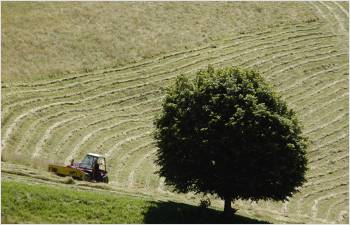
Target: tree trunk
[{"x": 228, "y": 209}]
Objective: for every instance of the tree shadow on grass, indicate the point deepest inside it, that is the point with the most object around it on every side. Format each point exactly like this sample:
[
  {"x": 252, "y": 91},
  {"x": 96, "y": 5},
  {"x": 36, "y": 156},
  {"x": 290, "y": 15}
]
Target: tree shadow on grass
[{"x": 172, "y": 212}]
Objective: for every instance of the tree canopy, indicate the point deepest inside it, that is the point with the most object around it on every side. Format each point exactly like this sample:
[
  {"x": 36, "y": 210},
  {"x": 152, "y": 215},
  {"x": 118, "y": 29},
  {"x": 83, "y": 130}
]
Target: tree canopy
[{"x": 226, "y": 132}]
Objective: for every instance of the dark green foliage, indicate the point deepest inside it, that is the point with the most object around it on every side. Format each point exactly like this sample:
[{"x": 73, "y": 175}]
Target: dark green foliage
[{"x": 227, "y": 133}]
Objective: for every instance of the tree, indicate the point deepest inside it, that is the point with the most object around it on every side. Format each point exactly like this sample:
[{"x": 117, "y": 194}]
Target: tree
[{"x": 227, "y": 133}]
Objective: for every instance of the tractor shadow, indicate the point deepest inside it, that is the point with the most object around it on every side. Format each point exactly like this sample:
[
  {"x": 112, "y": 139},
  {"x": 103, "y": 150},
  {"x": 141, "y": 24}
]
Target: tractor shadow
[{"x": 179, "y": 213}]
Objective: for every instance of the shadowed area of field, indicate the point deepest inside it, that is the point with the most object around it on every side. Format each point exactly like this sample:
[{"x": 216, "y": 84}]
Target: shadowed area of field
[{"x": 179, "y": 213}]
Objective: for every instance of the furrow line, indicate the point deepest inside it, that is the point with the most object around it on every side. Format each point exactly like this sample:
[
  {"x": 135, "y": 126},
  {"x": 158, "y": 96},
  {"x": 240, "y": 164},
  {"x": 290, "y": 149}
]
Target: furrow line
[
  {"x": 318, "y": 92},
  {"x": 5, "y": 108},
  {"x": 76, "y": 147},
  {"x": 107, "y": 79},
  {"x": 80, "y": 117},
  {"x": 85, "y": 138},
  {"x": 338, "y": 118},
  {"x": 136, "y": 167},
  {"x": 333, "y": 158},
  {"x": 71, "y": 133},
  {"x": 156, "y": 60},
  {"x": 332, "y": 148},
  {"x": 320, "y": 106},
  {"x": 307, "y": 61},
  {"x": 324, "y": 117},
  {"x": 272, "y": 43},
  {"x": 302, "y": 202},
  {"x": 319, "y": 182},
  {"x": 280, "y": 56},
  {"x": 318, "y": 9},
  {"x": 11, "y": 127},
  {"x": 125, "y": 157},
  {"x": 126, "y": 140},
  {"x": 106, "y": 139},
  {"x": 65, "y": 95},
  {"x": 92, "y": 97},
  {"x": 148, "y": 121},
  {"x": 314, "y": 75},
  {"x": 32, "y": 128},
  {"x": 332, "y": 206},
  {"x": 303, "y": 111},
  {"x": 327, "y": 135},
  {"x": 103, "y": 72},
  {"x": 327, "y": 173},
  {"x": 270, "y": 76},
  {"x": 100, "y": 130},
  {"x": 152, "y": 176},
  {"x": 340, "y": 24},
  {"x": 334, "y": 99},
  {"x": 53, "y": 104},
  {"x": 322, "y": 37},
  {"x": 314, "y": 209},
  {"x": 280, "y": 216},
  {"x": 148, "y": 77},
  {"x": 323, "y": 160},
  {"x": 290, "y": 52},
  {"x": 317, "y": 148},
  {"x": 300, "y": 27},
  {"x": 341, "y": 8},
  {"x": 51, "y": 129},
  {"x": 41, "y": 142},
  {"x": 335, "y": 88}
]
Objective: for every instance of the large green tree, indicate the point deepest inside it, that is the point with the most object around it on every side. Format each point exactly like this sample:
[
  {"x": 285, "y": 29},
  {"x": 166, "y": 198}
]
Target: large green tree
[{"x": 226, "y": 132}]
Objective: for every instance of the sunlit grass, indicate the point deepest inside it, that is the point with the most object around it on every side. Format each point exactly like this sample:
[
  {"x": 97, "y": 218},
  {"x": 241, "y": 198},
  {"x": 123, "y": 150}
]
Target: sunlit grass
[{"x": 33, "y": 203}]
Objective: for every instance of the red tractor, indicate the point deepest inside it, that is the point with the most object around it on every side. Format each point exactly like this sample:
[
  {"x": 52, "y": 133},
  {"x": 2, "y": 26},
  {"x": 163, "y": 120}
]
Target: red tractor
[{"x": 91, "y": 168}]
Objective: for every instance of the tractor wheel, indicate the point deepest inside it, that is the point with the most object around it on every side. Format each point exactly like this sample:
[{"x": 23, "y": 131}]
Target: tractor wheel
[
  {"x": 87, "y": 177},
  {"x": 105, "y": 180}
]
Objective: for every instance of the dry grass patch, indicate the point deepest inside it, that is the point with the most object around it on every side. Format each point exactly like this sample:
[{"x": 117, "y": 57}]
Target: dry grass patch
[{"x": 41, "y": 40}]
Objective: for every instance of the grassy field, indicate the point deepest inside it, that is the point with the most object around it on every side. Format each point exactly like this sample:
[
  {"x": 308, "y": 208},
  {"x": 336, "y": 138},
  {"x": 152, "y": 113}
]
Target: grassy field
[
  {"x": 33, "y": 203},
  {"x": 110, "y": 110},
  {"x": 45, "y": 40},
  {"x": 39, "y": 203}
]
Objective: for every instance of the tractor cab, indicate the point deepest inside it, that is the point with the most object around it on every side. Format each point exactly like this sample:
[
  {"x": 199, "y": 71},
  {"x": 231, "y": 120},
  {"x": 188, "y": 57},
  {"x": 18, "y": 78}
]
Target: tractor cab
[
  {"x": 90, "y": 161},
  {"x": 94, "y": 166}
]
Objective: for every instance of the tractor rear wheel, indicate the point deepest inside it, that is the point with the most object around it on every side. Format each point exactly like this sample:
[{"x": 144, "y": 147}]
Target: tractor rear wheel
[{"x": 87, "y": 177}]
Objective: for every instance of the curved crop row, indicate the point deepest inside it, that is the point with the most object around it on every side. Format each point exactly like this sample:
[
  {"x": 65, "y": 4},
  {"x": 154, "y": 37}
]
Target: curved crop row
[{"x": 110, "y": 111}]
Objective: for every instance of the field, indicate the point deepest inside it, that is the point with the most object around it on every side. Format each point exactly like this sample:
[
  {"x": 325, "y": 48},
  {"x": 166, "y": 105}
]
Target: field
[
  {"x": 28, "y": 203},
  {"x": 41, "y": 40},
  {"x": 110, "y": 110}
]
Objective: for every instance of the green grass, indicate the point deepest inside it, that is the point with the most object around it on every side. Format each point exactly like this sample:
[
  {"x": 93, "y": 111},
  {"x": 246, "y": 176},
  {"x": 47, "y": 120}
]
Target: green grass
[
  {"x": 34, "y": 203},
  {"x": 110, "y": 111}
]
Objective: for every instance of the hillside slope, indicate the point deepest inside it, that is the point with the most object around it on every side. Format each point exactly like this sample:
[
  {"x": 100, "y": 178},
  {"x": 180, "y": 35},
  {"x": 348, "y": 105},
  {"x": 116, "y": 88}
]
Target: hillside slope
[
  {"x": 26, "y": 202},
  {"x": 110, "y": 111},
  {"x": 46, "y": 39}
]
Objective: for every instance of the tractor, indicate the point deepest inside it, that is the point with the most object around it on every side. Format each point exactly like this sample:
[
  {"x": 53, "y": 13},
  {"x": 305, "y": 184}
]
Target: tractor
[{"x": 91, "y": 168}]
